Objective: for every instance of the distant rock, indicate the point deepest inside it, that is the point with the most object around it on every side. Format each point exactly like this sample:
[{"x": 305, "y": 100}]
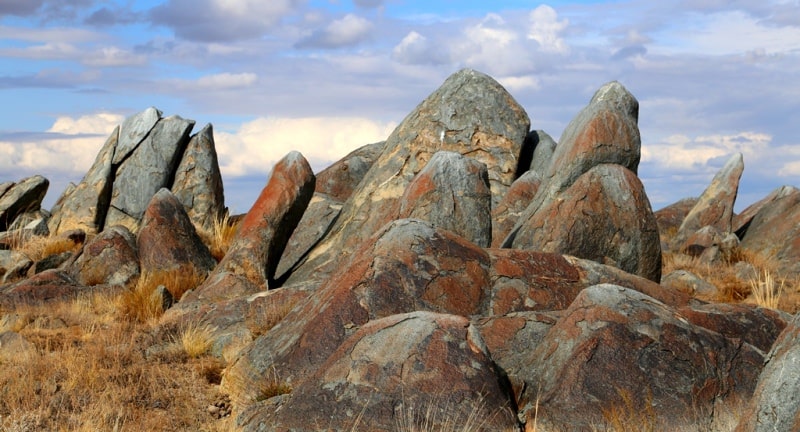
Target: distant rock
[
  {"x": 774, "y": 231},
  {"x": 689, "y": 283},
  {"x": 742, "y": 220},
  {"x": 167, "y": 240},
  {"x": 604, "y": 216},
  {"x": 615, "y": 348},
  {"x": 13, "y": 266},
  {"x": 451, "y": 192},
  {"x": 670, "y": 218},
  {"x": 198, "y": 181},
  {"x": 22, "y": 197},
  {"x": 341, "y": 178},
  {"x": 715, "y": 205},
  {"x": 148, "y": 167},
  {"x": 408, "y": 371}
]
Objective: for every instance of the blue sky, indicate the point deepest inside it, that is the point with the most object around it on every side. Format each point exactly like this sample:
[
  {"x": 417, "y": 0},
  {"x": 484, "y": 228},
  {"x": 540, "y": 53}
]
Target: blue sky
[{"x": 324, "y": 77}]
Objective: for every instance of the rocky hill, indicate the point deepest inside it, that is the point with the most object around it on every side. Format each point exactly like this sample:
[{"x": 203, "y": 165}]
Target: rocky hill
[{"x": 467, "y": 273}]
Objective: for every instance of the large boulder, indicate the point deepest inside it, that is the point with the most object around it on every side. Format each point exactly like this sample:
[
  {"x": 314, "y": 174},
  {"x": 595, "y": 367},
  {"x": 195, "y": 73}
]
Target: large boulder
[
  {"x": 198, "y": 181},
  {"x": 604, "y": 216},
  {"x": 775, "y": 230},
  {"x": 617, "y": 349},
  {"x": 407, "y": 371},
  {"x": 670, "y": 218},
  {"x": 775, "y": 405},
  {"x": 507, "y": 212},
  {"x": 85, "y": 205},
  {"x": 606, "y": 131},
  {"x": 406, "y": 266},
  {"x": 470, "y": 114},
  {"x": 47, "y": 286},
  {"x": 742, "y": 220},
  {"x": 23, "y": 197},
  {"x": 167, "y": 240},
  {"x": 715, "y": 205},
  {"x": 451, "y": 192},
  {"x": 145, "y": 169}
]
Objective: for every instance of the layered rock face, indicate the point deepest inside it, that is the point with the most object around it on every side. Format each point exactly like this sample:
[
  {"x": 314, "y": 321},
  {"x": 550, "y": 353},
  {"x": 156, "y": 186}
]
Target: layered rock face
[{"x": 467, "y": 273}]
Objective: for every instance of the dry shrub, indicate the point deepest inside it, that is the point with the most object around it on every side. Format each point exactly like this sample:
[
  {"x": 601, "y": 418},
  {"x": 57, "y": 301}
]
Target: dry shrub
[
  {"x": 40, "y": 247},
  {"x": 219, "y": 238},
  {"x": 196, "y": 340},
  {"x": 272, "y": 386},
  {"x": 767, "y": 290},
  {"x": 440, "y": 414},
  {"x": 139, "y": 304},
  {"x": 270, "y": 316}
]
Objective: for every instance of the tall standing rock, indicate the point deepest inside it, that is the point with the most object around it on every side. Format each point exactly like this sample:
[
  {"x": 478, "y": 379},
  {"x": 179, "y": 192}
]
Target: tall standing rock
[
  {"x": 715, "y": 205},
  {"x": 25, "y": 196},
  {"x": 604, "y": 216},
  {"x": 133, "y": 131},
  {"x": 341, "y": 178},
  {"x": 265, "y": 230},
  {"x": 147, "y": 168},
  {"x": 452, "y": 192},
  {"x": 605, "y": 132},
  {"x": 85, "y": 206},
  {"x": 470, "y": 114},
  {"x": 198, "y": 181},
  {"x": 513, "y": 204}
]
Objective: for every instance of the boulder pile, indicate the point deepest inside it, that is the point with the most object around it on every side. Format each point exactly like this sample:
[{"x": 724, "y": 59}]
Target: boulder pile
[{"x": 466, "y": 271}]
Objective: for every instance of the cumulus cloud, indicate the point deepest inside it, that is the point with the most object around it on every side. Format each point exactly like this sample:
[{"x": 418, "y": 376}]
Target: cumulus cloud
[
  {"x": 222, "y": 20},
  {"x": 215, "y": 82},
  {"x": 682, "y": 153},
  {"x": 349, "y": 30},
  {"x": 257, "y": 145},
  {"x": 546, "y": 29},
  {"x": 69, "y": 146},
  {"x": 417, "y": 49}
]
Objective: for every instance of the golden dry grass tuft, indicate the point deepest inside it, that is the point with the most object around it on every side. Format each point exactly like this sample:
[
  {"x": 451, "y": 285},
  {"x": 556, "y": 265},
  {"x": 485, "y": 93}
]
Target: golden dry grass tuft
[
  {"x": 140, "y": 305},
  {"x": 219, "y": 237},
  {"x": 767, "y": 289},
  {"x": 196, "y": 340},
  {"x": 86, "y": 370},
  {"x": 39, "y": 247}
]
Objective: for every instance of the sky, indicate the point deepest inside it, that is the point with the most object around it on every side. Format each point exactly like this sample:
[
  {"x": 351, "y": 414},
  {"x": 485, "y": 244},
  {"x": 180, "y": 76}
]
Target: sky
[{"x": 325, "y": 77}]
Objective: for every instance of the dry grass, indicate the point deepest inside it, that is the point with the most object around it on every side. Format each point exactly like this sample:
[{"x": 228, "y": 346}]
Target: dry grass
[
  {"x": 630, "y": 416},
  {"x": 272, "y": 386},
  {"x": 767, "y": 290},
  {"x": 441, "y": 415},
  {"x": 196, "y": 340},
  {"x": 87, "y": 370},
  {"x": 39, "y": 247},
  {"x": 140, "y": 305},
  {"x": 219, "y": 238}
]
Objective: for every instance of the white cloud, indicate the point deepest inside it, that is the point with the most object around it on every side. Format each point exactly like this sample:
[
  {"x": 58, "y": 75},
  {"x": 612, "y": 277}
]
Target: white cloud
[
  {"x": 257, "y": 145},
  {"x": 417, "y": 49},
  {"x": 113, "y": 57},
  {"x": 349, "y": 30},
  {"x": 518, "y": 84},
  {"x": 226, "y": 81},
  {"x": 682, "y": 153},
  {"x": 494, "y": 47},
  {"x": 546, "y": 30}
]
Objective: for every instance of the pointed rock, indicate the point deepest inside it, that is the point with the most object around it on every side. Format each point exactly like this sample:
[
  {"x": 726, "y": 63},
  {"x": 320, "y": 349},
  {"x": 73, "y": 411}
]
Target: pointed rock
[
  {"x": 604, "y": 216},
  {"x": 133, "y": 131},
  {"x": 198, "y": 181},
  {"x": 340, "y": 179},
  {"x": 543, "y": 151},
  {"x": 715, "y": 205},
  {"x": 85, "y": 206},
  {"x": 470, "y": 114},
  {"x": 265, "y": 230},
  {"x": 150, "y": 167},
  {"x": 24, "y": 196},
  {"x": 167, "y": 240},
  {"x": 618, "y": 349},
  {"x": 394, "y": 371},
  {"x": 775, "y": 230},
  {"x": 742, "y": 221},
  {"x": 452, "y": 193}
]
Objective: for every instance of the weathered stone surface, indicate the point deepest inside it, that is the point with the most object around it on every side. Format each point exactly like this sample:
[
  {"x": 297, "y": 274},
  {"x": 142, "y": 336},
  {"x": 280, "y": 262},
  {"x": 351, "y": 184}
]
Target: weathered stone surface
[
  {"x": 512, "y": 338},
  {"x": 543, "y": 151},
  {"x": 742, "y": 220},
  {"x": 451, "y": 192},
  {"x": 605, "y": 132},
  {"x": 49, "y": 285},
  {"x": 322, "y": 211},
  {"x": 24, "y": 196},
  {"x": 13, "y": 265},
  {"x": 506, "y": 214},
  {"x": 167, "y": 240},
  {"x": 111, "y": 258},
  {"x": 85, "y": 206},
  {"x": 198, "y": 181},
  {"x": 755, "y": 325},
  {"x": 604, "y": 216},
  {"x": 340, "y": 179},
  {"x": 775, "y": 405},
  {"x": 470, "y": 114},
  {"x": 715, "y": 205},
  {"x": 670, "y": 218},
  {"x": 616, "y": 347},
  {"x": 700, "y": 240},
  {"x": 408, "y": 265},
  {"x": 775, "y": 232},
  {"x": 689, "y": 283},
  {"x": 150, "y": 167},
  {"x": 408, "y": 371},
  {"x": 265, "y": 230},
  {"x": 133, "y": 131},
  {"x": 15, "y": 346}
]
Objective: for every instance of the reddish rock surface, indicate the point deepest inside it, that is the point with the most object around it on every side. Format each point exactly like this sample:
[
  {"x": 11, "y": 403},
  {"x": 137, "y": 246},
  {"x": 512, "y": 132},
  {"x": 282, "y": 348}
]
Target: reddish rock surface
[
  {"x": 506, "y": 214},
  {"x": 408, "y": 371},
  {"x": 341, "y": 178},
  {"x": 111, "y": 258},
  {"x": 775, "y": 232}
]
